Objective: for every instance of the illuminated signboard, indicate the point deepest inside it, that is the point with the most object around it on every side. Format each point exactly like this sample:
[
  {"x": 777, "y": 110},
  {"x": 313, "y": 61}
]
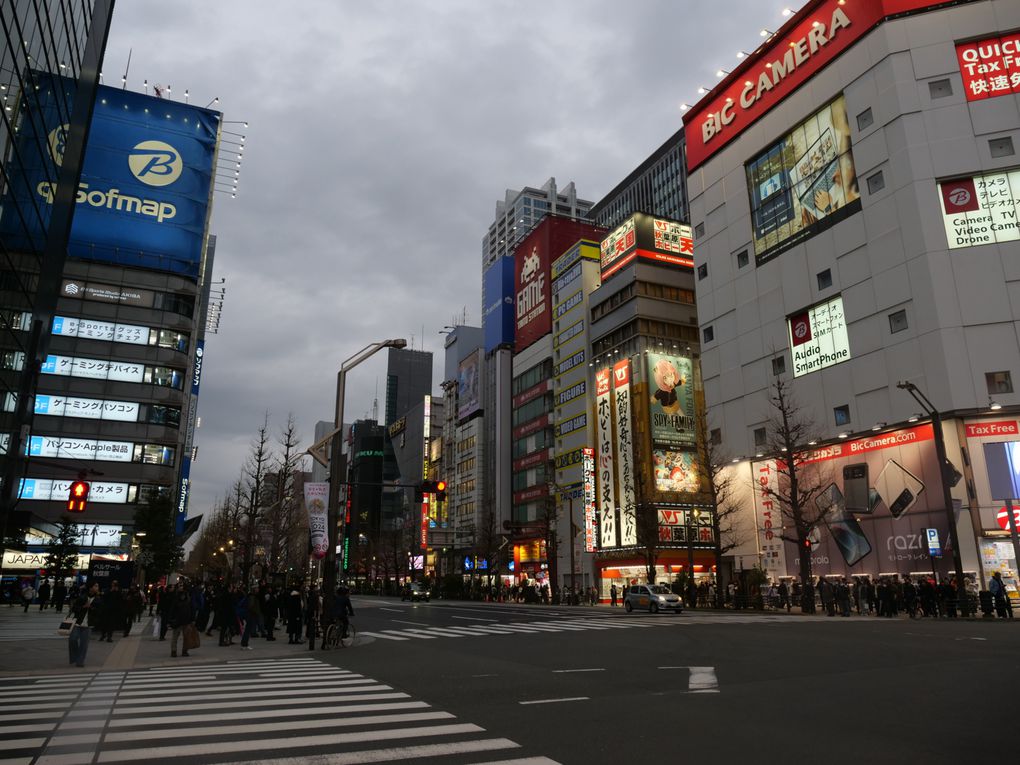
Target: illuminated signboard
[
  {"x": 68, "y": 326},
  {"x": 675, "y": 471},
  {"x": 818, "y": 337},
  {"x": 426, "y": 509},
  {"x": 624, "y": 453},
  {"x": 981, "y": 209},
  {"x": 106, "y": 293},
  {"x": 588, "y": 479},
  {"x": 663, "y": 241},
  {"x": 95, "y": 369},
  {"x": 80, "y": 448},
  {"x": 605, "y": 467},
  {"x": 803, "y": 183},
  {"x": 468, "y": 385},
  {"x": 990, "y": 67},
  {"x": 86, "y": 408},
  {"x": 671, "y": 403},
  {"x": 99, "y": 491}
]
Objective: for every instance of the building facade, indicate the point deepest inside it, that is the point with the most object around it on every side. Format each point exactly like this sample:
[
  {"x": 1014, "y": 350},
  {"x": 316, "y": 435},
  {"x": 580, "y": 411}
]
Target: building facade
[
  {"x": 408, "y": 380},
  {"x": 853, "y": 199}
]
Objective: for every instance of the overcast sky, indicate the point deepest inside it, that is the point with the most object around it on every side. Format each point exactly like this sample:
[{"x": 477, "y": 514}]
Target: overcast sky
[{"x": 380, "y": 136}]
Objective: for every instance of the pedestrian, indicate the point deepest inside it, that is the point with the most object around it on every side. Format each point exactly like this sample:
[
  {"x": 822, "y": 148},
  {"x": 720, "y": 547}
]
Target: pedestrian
[
  {"x": 44, "y": 594},
  {"x": 294, "y": 617},
  {"x": 1003, "y": 608},
  {"x": 784, "y": 596},
  {"x": 311, "y": 617},
  {"x": 27, "y": 596},
  {"x": 165, "y": 597},
  {"x": 246, "y": 618},
  {"x": 224, "y": 617},
  {"x": 613, "y": 595},
  {"x": 59, "y": 594},
  {"x": 81, "y": 612},
  {"x": 113, "y": 612},
  {"x": 180, "y": 614},
  {"x": 270, "y": 610}
]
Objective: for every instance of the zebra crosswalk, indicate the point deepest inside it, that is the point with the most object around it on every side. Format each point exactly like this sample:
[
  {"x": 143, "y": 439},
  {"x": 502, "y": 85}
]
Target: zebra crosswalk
[
  {"x": 574, "y": 624},
  {"x": 273, "y": 712}
]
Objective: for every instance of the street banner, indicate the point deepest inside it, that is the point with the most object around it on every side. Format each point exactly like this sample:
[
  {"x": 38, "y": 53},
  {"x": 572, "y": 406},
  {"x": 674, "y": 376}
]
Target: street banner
[
  {"x": 317, "y": 505},
  {"x": 604, "y": 464}
]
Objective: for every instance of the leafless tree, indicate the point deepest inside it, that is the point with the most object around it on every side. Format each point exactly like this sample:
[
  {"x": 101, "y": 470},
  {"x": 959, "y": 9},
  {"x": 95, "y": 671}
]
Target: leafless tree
[
  {"x": 254, "y": 474},
  {"x": 282, "y": 516}
]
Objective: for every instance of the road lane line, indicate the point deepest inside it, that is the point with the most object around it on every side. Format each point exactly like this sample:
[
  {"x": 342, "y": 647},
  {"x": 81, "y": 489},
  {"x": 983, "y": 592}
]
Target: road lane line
[
  {"x": 394, "y": 610},
  {"x": 554, "y": 701},
  {"x": 272, "y": 712},
  {"x": 416, "y": 624},
  {"x": 703, "y": 680},
  {"x": 522, "y": 761},
  {"x": 590, "y": 669},
  {"x": 395, "y": 754},
  {"x": 411, "y": 633},
  {"x": 364, "y": 633},
  {"x": 124, "y": 713},
  {"x": 474, "y": 619}
]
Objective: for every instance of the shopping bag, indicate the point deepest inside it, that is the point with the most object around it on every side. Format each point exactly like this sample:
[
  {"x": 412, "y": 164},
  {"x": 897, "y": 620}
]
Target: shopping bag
[
  {"x": 155, "y": 627},
  {"x": 65, "y": 627},
  {"x": 191, "y": 638}
]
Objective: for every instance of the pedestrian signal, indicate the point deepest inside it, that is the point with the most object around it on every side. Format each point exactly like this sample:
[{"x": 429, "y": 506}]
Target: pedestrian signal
[{"x": 78, "y": 497}]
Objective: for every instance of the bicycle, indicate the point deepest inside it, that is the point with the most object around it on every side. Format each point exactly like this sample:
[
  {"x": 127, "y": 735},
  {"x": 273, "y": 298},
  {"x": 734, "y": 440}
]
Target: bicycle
[{"x": 334, "y": 633}]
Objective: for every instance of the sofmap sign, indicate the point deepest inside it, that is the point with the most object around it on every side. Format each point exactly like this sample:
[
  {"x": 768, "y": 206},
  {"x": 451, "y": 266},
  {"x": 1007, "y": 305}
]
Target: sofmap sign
[
  {"x": 981, "y": 209},
  {"x": 808, "y": 42},
  {"x": 990, "y": 67},
  {"x": 818, "y": 337},
  {"x": 498, "y": 304},
  {"x": 146, "y": 181}
]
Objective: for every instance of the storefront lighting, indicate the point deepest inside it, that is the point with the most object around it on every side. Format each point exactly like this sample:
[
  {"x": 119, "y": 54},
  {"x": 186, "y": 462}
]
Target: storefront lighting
[
  {"x": 812, "y": 442},
  {"x": 844, "y": 434},
  {"x": 760, "y": 454},
  {"x": 742, "y": 54},
  {"x": 994, "y": 405},
  {"x": 721, "y": 72},
  {"x": 914, "y": 417},
  {"x": 684, "y": 107},
  {"x": 735, "y": 460},
  {"x": 766, "y": 32},
  {"x": 878, "y": 426},
  {"x": 787, "y": 12},
  {"x": 702, "y": 90}
]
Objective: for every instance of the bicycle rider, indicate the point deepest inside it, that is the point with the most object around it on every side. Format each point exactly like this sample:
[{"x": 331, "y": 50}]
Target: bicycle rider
[{"x": 342, "y": 608}]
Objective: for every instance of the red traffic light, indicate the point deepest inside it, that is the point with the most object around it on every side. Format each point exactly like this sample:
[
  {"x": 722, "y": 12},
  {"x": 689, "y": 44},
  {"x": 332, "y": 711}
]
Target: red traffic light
[
  {"x": 78, "y": 497},
  {"x": 440, "y": 486}
]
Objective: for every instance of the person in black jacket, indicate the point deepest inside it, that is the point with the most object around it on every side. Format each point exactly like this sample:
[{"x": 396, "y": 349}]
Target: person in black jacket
[
  {"x": 83, "y": 617},
  {"x": 179, "y": 615},
  {"x": 113, "y": 612},
  {"x": 294, "y": 617},
  {"x": 270, "y": 610}
]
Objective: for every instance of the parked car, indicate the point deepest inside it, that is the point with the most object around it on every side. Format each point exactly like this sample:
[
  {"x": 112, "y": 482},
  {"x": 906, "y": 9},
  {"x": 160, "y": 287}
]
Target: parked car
[
  {"x": 652, "y": 597},
  {"x": 414, "y": 592}
]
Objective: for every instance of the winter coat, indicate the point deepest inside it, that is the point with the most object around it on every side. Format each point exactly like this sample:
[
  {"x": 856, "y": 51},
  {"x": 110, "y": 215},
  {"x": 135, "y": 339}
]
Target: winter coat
[{"x": 180, "y": 612}]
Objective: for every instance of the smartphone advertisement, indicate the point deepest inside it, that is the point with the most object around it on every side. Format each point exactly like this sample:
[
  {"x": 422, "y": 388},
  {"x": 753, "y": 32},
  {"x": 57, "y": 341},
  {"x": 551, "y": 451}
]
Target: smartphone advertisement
[{"x": 879, "y": 496}]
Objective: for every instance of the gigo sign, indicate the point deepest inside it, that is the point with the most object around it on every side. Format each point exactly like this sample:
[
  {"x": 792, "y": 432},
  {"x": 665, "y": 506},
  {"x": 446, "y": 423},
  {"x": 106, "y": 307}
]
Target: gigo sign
[{"x": 818, "y": 337}]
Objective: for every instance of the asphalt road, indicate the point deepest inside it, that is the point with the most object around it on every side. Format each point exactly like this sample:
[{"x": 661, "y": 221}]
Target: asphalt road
[{"x": 799, "y": 688}]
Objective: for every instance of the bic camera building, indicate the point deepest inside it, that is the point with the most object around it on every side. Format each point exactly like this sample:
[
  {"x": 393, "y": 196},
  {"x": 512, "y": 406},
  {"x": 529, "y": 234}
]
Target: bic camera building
[
  {"x": 854, "y": 188},
  {"x": 117, "y": 391}
]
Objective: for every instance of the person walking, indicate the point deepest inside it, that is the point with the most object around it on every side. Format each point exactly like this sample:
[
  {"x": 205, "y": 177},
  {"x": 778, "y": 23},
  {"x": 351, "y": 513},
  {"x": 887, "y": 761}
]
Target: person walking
[
  {"x": 27, "y": 596},
  {"x": 166, "y": 597},
  {"x": 246, "y": 618},
  {"x": 179, "y": 614},
  {"x": 294, "y": 617},
  {"x": 44, "y": 594},
  {"x": 311, "y": 616},
  {"x": 113, "y": 612},
  {"x": 784, "y": 596},
  {"x": 59, "y": 594},
  {"x": 613, "y": 595},
  {"x": 270, "y": 610},
  {"x": 1003, "y": 608},
  {"x": 81, "y": 612}
]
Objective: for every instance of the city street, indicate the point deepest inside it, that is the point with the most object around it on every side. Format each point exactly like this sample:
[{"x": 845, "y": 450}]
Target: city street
[{"x": 476, "y": 682}]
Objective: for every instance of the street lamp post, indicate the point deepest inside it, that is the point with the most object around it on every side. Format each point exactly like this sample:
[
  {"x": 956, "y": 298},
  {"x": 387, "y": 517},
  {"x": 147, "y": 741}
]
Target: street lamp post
[
  {"x": 947, "y": 497},
  {"x": 336, "y": 442}
]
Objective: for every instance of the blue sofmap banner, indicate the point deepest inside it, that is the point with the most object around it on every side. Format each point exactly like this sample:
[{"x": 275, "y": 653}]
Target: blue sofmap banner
[{"x": 498, "y": 304}]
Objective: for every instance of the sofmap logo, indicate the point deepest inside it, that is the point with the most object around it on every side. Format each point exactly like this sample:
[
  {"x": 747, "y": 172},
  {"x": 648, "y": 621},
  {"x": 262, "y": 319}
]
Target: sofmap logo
[
  {"x": 57, "y": 141},
  {"x": 155, "y": 163}
]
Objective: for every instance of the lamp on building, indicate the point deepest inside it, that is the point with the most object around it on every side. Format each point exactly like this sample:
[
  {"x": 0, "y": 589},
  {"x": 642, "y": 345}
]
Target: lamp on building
[
  {"x": 914, "y": 417},
  {"x": 844, "y": 434},
  {"x": 684, "y": 107},
  {"x": 742, "y": 54},
  {"x": 787, "y": 12},
  {"x": 721, "y": 72},
  {"x": 945, "y": 473},
  {"x": 702, "y": 90},
  {"x": 994, "y": 405},
  {"x": 878, "y": 426},
  {"x": 766, "y": 32}
]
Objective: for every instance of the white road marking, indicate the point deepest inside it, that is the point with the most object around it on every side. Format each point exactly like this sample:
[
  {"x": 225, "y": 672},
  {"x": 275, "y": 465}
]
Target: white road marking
[
  {"x": 416, "y": 624},
  {"x": 320, "y": 699},
  {"x": 395, "y": 754},
  {"x": 380, "y": 635},
  {"x": 473, "y": 619},
  {"x": 703, "y": 680},
  {"x": 523, "y": 761},
  {"x": 591, "y": 669},
  {"x": 126, "y": 722},
  {"x": 394, "y": 610},
  {"x": 554, "y": 701}
]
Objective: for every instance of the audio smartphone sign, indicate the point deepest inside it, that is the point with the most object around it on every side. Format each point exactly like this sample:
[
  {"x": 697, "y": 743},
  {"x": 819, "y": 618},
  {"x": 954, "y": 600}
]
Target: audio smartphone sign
[{"x": 818, "y": 337}]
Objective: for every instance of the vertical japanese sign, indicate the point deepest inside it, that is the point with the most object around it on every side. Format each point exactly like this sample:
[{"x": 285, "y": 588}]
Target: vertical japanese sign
[
  {"x": 588, "y": 481},
  {"x": 604, "y": 434},
  {"x": 425, "y": 465},
  {"x": 624, "y": 453},
  {"x": 316, "y": 499}
]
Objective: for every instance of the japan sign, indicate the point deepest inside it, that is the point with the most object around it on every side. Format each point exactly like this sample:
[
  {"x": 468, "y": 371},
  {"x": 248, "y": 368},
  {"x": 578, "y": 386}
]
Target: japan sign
[
  {"x": 818, "y": 337},
  {"x": 990, "y": 67},
  {"x": 981, "y": 209}
]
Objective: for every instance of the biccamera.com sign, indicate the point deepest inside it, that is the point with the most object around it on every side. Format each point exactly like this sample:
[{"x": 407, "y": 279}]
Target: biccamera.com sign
[{"x": 145, "y": 187}]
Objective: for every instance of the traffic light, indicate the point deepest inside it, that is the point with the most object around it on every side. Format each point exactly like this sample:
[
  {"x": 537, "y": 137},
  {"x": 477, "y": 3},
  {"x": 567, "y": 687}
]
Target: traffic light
[
  {"x": 78, "y": 497},
  {"x": 434, "y": 487},
  {"x": 440, "y": 491}
]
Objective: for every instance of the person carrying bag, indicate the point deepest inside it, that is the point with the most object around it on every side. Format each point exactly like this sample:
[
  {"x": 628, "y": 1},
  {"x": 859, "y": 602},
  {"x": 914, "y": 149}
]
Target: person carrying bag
[{"x": 79, "y": 632}]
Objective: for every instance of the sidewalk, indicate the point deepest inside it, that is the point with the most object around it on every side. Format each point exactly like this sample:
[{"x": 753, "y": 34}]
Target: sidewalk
[{"x": 30, "y": 645}]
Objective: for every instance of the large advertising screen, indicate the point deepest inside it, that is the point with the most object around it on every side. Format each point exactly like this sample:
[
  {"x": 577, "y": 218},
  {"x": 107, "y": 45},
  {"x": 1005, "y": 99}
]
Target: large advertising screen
[
  {"x": 803, "y": 183},
  {"x": 661, "y": 240},
  {"x": 990, "y": 67},
  {"x": 981, "y": 209},
  {"x": 671, "y": 401},
  {"x": 146, "y": 181},
  {"x": 469, "y": 392},
  {"x": 818, "y": 337},
  {"x": 498, "y": 304},
  {"x": 878, "y": 496}
]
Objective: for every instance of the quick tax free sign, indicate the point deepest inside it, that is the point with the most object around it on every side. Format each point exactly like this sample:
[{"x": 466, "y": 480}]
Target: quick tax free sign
[{"x": 818, "y": 337}]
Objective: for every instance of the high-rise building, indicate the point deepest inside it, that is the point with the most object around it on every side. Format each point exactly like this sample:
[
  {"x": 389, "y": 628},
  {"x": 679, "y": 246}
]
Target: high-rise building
[
  {"x": 854, "y": 188},
  {"x": 657, "y": 186},
  {"x": 408, "y": 380},
  {"x": 56, "y": 49}
]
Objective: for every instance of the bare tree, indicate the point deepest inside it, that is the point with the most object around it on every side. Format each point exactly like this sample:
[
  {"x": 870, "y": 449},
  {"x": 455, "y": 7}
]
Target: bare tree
[
  {"x": 254, "y": 475},
  {"x": 281, "y": 516},
  {"x": 798, "y": 481}
]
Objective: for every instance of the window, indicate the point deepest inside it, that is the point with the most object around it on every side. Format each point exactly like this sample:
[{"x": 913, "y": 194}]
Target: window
[
  {"x": 999, "y": 382},
  {"x": 760, "y": 437},
  {"x": 1001, "y": 147},
  {"x": 715, "y": 436},
  {"x": 702, "y": 271},
  {"x": 825, "y": 279},
  {"x": 841, "y": 414},
  {"x": 742, "y": 259},
  {"x": 876, "y": 182},
  {"x": 897, "y": 321},
  {"x": 778, "y": 365},
  {"x": 154, "y": 454},
  {"x": 940, "y": 88},
  {"x": 708, "y": 334},
  {"x": 699, "y": 230},
  {"x": 865, "y": 119}
]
